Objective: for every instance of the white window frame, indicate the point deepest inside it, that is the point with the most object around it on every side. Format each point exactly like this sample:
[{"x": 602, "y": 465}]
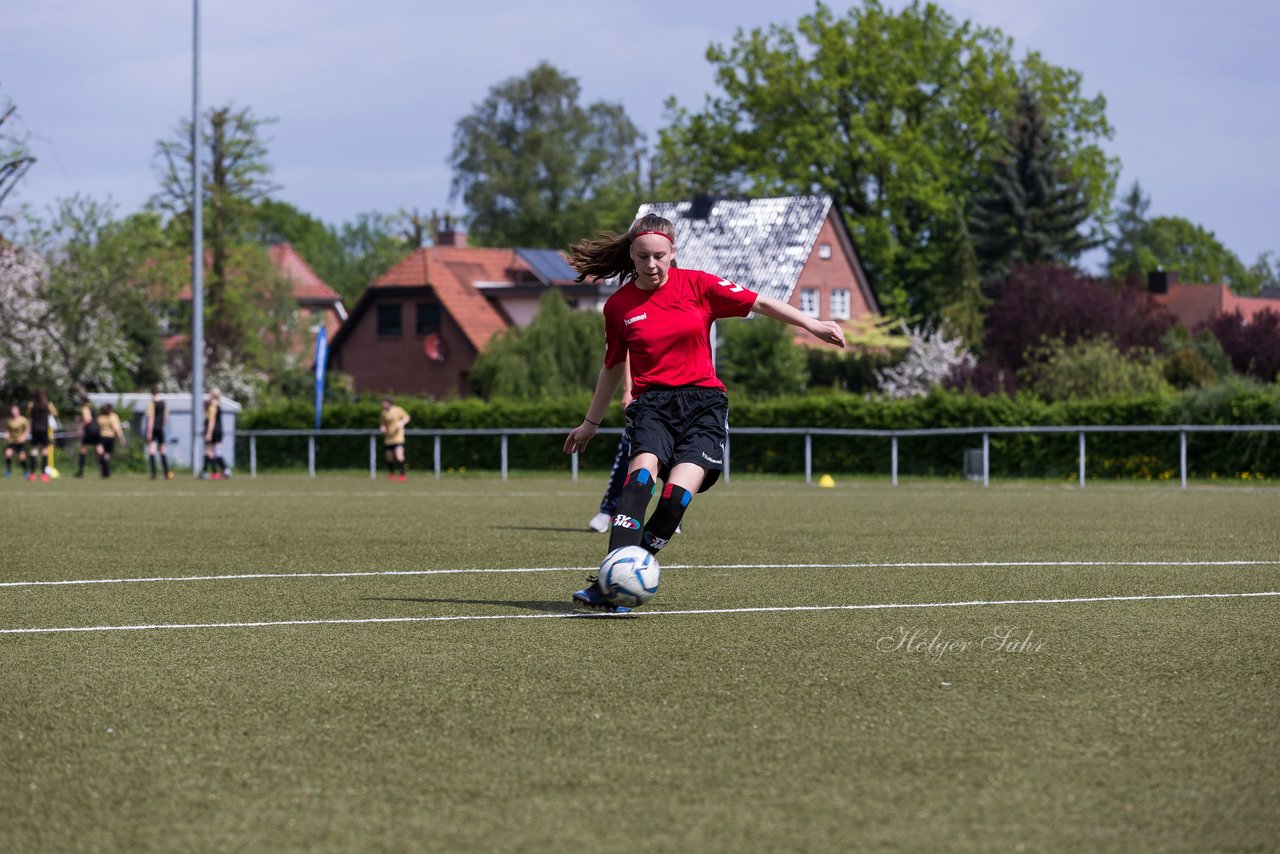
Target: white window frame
[
  {"x": 811, "y": 302},
  {"x": 841, "y": 302}
]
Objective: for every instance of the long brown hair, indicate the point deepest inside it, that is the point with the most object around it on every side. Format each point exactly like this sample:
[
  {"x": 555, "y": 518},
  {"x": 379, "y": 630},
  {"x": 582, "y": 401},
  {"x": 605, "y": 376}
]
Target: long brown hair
[{"x": 608, "y": 254}]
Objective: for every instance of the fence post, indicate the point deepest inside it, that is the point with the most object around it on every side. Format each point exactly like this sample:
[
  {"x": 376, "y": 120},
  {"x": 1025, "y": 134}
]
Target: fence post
[
  {"x": 504, "y": 456},
  {"x": 253, "y": 456},
  {"x": 1182, "y": 456},
  {"x": 573, "y": 465},
  {"x": 726, "y": 456},
  {"x": 808, "y": 458},
  {"x": 1082, "y": 459},
  {"x": 986, "y": 459},
  {"x": 373, "y": 458},
  {"x": 436, "y": 455},
  {"x": 893, "y": 454},
  {"x": 311, "y": 454}
]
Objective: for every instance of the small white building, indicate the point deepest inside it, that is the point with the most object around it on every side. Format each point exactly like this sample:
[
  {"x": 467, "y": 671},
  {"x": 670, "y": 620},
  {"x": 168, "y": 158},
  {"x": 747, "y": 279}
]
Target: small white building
[{"x": 132, "y": 409}]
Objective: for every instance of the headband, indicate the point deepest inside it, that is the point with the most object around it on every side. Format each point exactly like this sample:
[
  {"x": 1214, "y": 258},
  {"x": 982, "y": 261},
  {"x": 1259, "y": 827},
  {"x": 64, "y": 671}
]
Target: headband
[{"x": 663, "y": 233}]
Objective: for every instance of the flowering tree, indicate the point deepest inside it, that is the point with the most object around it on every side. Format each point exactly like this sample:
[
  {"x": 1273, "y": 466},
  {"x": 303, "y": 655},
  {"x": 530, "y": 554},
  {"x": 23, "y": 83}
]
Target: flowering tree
[
  {"x": 28, "y": 337},
  {"x": 931, "y": 357}
]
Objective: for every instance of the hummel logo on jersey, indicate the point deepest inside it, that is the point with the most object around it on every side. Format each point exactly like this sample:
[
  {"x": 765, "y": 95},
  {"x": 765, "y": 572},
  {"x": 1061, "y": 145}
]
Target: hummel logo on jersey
[
  {"x": 631, "y": 320},
  {"x": 733, "y": 289},
  {"x": 622, "y": 520}
]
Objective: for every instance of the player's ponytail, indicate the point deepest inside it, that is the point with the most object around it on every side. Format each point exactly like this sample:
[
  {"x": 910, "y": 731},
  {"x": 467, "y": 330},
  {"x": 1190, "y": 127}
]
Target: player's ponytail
[{"x": 608, "y": 255}]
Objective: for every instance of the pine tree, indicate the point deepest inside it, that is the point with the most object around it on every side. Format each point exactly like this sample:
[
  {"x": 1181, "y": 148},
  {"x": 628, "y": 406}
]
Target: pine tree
[
  {"x": 1031, "y": 210},
  {"x": 1127, "y": 253}
]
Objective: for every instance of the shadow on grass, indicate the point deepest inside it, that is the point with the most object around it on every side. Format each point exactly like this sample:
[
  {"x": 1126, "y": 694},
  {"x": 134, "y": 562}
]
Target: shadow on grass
[
  {"x": 545, "y": 607},
  {"x": 545, "y": 529}
]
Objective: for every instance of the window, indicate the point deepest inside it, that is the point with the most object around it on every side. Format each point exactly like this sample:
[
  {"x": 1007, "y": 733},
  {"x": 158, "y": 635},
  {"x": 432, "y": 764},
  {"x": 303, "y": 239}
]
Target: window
[
  {"x": 389, "y": 320},
  {"x": 840, "y": 303},
  {"x": 428, "y": 318},
  {"x": 809, "y": 303},
  {"x": 824, "y": 251}
]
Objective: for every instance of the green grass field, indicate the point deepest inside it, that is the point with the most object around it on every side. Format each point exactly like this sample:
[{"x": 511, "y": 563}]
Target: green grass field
[{"x": 348, "y": 665}]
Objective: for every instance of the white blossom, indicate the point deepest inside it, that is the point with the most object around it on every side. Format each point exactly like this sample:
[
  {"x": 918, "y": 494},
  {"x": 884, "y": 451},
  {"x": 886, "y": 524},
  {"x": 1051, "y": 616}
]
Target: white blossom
[{"x": 931, "y": 357}]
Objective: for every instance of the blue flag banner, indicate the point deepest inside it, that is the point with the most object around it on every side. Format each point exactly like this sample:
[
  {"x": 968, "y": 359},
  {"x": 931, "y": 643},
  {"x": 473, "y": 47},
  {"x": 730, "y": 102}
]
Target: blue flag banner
[{"x": 322, "y": 356}]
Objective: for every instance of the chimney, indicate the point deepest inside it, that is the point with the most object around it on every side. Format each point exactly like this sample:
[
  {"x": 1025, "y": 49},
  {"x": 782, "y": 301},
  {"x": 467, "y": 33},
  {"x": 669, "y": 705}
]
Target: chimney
[
  {"x": 702, "y": 205},
  {"x": 448, "y": 234},
  {"x": 1158, "y": 281}
]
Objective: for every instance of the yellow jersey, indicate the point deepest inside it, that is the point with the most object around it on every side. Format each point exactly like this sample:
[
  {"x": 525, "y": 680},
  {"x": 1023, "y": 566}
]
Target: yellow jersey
[
  {"x": 109, "y": 426},
  {"x": 17, "y": 430},
  {"x": 393, "y": 421}
]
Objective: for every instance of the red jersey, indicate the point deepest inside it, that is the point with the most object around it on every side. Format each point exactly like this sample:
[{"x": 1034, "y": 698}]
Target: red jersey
[{"x": 667, "y": 330}]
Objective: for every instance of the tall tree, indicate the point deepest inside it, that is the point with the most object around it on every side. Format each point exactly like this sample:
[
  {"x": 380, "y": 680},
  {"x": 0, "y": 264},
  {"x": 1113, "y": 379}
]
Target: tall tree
[
  {"x": 15, "y": 156},
  {"x": 558, "y": 353},
  {"x": 1030, "y": 210},
  {"x": 1131, "y": 233},
  {"x": 236, "y": 176},
  {"x": 891, "y": 113},
  {"x": 536, "y": 168},
  {"x": 1195, "y": 253}
]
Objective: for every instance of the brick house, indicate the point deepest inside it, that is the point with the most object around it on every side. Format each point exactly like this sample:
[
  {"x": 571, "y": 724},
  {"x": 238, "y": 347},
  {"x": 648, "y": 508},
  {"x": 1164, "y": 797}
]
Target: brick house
[
  {"x": 419, "y": 327},
  {"x": 795, "y": 249},
  {"x": 1194, "y": 304},
  {"x": 316, "y": 302}
]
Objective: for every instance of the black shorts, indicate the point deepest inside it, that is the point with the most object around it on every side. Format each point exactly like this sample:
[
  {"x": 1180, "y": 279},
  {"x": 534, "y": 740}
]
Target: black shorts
[
  {"x": 681, "y": 425},
  {"x": 90, "y": 435},
  {"x": 108, "y": 445},
  {"x": 16, "y": 447},
  {"x": 157, "y": 436},
  {"x": 217, "y": 437},
  {"x": 390, "y": 448},
  {"x": 39, "y": 440}
]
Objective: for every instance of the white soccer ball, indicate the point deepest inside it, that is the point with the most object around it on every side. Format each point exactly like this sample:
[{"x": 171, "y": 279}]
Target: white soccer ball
[{"x": 629, "y": 576}]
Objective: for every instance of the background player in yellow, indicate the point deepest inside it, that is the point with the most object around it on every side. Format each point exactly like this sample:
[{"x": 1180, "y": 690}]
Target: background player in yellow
[
  {"x": 17, "y": 430},
  {"x": 393, "y": 420},
  {"x": 109, "y": 429},
  {"x": 155, "y": 424}
]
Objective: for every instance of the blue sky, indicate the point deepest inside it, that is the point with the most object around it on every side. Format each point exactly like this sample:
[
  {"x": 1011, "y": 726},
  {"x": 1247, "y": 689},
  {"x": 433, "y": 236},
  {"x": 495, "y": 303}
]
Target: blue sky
[{"x": 367, "y": 94}]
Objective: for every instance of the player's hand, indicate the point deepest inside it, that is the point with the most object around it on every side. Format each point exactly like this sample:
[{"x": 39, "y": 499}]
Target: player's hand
[
  {"x": 830, "y": 332},
  {"x": 579, "y": 437}
]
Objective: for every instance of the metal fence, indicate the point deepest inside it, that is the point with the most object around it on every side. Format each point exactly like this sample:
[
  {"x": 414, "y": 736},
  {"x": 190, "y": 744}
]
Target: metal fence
[{"x": 806, "y": 434}]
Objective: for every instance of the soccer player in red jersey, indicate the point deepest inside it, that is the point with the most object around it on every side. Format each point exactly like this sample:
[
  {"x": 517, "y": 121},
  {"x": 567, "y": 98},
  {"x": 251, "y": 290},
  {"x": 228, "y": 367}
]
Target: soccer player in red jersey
[{"x": 661, "y": 319}]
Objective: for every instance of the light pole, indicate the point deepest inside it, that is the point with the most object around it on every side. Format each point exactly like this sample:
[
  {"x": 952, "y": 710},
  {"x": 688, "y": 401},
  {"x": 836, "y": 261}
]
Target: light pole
[{"x": 197, "y": 256}]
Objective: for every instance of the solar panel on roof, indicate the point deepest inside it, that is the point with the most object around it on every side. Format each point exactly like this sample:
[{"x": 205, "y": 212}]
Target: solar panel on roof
[{"x": 548, "y": 265}]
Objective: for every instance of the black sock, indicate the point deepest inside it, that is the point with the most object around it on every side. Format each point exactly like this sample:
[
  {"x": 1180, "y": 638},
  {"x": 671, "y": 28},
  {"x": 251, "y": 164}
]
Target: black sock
[
  {"x": 8, "y": 465},
  {"x": 152, "y": 459},
  {"x": 164, "y": 461},
  {"x": 80, "y": 465},
  {"x": 221, "y": 464},
  {"x": 104, "y": 465},
  {"x": 666, "y": 517},
  {"x": 628, "y": 517}
]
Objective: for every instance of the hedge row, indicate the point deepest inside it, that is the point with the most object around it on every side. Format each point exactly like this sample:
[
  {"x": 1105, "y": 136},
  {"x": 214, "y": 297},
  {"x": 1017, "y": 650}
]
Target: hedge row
[{"x": 1139, "y": 455}]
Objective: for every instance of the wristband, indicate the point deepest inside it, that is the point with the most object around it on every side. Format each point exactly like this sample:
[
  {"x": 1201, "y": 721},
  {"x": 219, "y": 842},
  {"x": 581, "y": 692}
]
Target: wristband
[{"x": 589, "y": 421}]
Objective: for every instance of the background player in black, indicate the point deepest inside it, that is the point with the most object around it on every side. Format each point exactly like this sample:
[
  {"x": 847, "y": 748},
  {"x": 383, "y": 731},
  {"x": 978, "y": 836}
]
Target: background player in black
[
  {"x": 215, "y": 467},
  {"x": 40, "y": 412},
  {"x": 88, "y": 432},
  {"x": 156, "y": 423}
]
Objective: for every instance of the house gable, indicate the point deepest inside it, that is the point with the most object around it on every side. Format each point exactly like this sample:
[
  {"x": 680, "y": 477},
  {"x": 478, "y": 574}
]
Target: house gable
[{"x": 766, "y": 244}]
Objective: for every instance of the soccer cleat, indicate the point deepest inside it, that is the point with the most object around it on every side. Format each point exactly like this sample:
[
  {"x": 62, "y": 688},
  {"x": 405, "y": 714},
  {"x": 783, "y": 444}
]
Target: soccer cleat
[
  {"x": 168, "y": 475},
  {"x": 600, "y": 522},
  {"x": 44, "y": 477},
  {"x": 403, "y": 478},
  {"x": 592, "y": 597}
]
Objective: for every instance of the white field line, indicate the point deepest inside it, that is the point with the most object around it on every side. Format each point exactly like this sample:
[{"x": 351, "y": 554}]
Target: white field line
[
  {"x": 774, "y": 609},
  {"x": 252, "y": 576}
]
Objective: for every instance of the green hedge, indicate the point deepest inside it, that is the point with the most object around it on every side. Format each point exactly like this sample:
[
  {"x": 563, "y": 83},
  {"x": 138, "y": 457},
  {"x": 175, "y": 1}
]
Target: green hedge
[{"x": 1136, "y": 455}]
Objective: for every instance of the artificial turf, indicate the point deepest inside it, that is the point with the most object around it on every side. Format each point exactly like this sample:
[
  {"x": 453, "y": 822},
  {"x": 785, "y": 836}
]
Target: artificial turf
[{"x": 367, "y": 685}]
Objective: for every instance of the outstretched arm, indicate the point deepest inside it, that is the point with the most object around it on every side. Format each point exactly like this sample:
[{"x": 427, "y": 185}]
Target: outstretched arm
[
  {"x": 824, "y": 330},
  {"x": 606, "y": 385}
]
